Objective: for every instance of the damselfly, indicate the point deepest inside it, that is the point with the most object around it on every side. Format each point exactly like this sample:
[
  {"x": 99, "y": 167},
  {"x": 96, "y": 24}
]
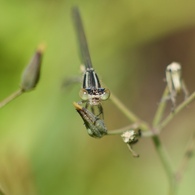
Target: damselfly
[{"x": 91, "y": 93}]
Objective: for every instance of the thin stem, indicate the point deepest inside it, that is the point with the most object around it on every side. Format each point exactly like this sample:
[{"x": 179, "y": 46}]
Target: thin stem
[
  {"x": 186, "y": 158},
  {"x": 122, "y": 130},
  {"x": 132, "y": 151},
  {"x": 166, "y": 163},
  {"x": 160, "y": 148},
  {"x": 163, "y": 155},
  {"x": 177, "y": 110},
  {"x": 160, "y": 110},
  {"x": 148, "y": 134},
  {"x": 130, "y": 115},
  {"x": 11, "y": 97},
  {"x": 156, "y": 140},
  {"x": 124, "y": 109},
  {"x": 156, "y": 129}
]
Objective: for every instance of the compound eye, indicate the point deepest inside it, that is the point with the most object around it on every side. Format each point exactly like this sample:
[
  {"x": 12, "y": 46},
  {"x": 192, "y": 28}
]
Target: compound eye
[
  {"x": 106, "y": 94},
  {"x": 83, "y": 94}
]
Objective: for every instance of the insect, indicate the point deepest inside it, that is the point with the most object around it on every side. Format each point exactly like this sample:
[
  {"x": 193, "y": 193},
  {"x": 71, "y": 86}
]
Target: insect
[
  {"x": 174, "y": 82},
  {"x": 94, "y": 125},
  {"x": 92, "y": 92}
]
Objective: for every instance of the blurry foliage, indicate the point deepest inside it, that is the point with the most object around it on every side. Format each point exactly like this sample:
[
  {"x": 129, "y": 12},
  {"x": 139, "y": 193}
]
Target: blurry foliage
[
  {"x": 16, "y": 173},
  {"x": 131, "y": 42}
]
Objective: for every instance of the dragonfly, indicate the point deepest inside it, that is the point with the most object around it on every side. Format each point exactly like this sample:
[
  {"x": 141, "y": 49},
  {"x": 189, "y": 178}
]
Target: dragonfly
[{"x": 91, "y": 93}]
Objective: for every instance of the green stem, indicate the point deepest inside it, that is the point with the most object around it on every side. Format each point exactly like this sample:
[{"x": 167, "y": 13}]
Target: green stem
[
  {"x": 176, "y": 111},
  {"x": 11, "y": 97},
  {"x": 160, "y": 110},
  {"x": 166, "y": 164},
  {"x": 186, "y": 158},
  {"x": 130, "y": 115},
  {"x": 122, "y": 130},
  {"x": 160, "y": 148},
  {"x": 173, "y": 184}
]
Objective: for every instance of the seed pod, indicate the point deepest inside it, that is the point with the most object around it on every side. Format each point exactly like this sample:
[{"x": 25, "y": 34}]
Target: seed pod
[
  {"x": 31, "y": 74},
  {"x": 131, "y": 137},
  {"x": 173, "y": 78},
  {"x": 175, "y": 82},
  {"x": 94, "y": 125}
]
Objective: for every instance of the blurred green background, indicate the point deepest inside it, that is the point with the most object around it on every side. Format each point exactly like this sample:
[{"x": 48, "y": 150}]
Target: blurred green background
[{"x": 44, "y": 147}]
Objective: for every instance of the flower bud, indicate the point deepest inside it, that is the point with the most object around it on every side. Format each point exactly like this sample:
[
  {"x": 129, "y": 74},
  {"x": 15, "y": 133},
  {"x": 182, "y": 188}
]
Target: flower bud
[{"x": 31, "y": 74}]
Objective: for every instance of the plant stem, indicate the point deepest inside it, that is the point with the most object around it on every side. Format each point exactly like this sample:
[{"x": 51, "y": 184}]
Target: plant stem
[
  {"x": 166, "y": 164},
  {"x": 177, "y": 110},
  {"x": 160, "y": 148},
  {"x": 160, "y": 110},
  {"x": 11, "y": 97},
  {"x": 121, "y": 130},
  {"x": 157, "y": 127},
  {"x": 187, "y": 156},
  {"x": 130, "y": 115}
]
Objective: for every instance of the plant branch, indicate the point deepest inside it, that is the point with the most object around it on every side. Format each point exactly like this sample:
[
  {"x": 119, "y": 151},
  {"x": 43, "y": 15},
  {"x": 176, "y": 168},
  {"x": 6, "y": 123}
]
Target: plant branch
[
  {"x": 186, "y": 158},
  {"x": 164, "y": 157},
  {"x": 157, "y": 128},
  {"x": 177, "y": 110},
  {"x": 130, "y": 115},
  {"x": 166, "y": 163},
  {"x": 156, "y": 140},
  {"x": 11, "y": 97},
  {"x": 161, "y": 107},
  {"x": 122, "y": 130}
]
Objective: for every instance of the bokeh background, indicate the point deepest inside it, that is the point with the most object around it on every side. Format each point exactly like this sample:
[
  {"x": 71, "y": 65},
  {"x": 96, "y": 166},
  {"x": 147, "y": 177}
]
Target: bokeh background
[{"x": 44, "y": 147}]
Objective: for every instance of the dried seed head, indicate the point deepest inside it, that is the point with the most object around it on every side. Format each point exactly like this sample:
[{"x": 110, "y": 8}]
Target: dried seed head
[
  {"x": 175, "y": 82},
  {"x": 173, "y": 78},
  {"x": 131, "y": 136},
  {"x": 31, "y": 74},
  {"x": 174, "y": 66}
]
